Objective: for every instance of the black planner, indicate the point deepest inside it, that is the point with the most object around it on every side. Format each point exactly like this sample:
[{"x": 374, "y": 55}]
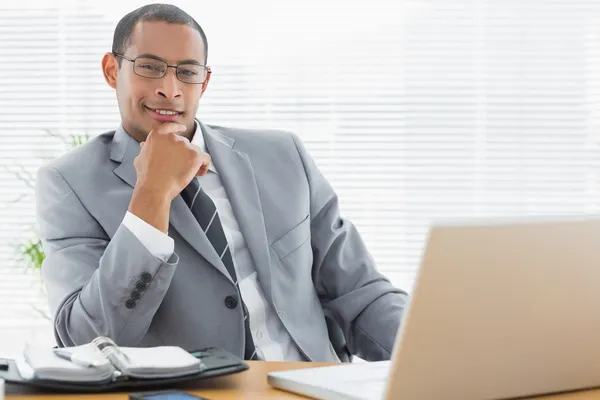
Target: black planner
[{"x": 215, "y": 362}]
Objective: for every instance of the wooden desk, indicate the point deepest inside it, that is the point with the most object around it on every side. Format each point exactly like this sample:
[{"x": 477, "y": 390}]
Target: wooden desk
[{"x": 252, "y": 384}]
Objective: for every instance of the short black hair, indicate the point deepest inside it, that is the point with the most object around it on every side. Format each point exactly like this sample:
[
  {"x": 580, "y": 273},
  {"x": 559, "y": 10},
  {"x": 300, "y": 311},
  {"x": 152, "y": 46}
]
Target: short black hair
[{"x": 150, "y": 13}]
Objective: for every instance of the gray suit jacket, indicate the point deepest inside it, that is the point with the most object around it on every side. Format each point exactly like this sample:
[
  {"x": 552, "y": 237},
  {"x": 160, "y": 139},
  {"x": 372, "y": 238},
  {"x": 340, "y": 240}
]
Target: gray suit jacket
[{"x": 312, "y": 264}]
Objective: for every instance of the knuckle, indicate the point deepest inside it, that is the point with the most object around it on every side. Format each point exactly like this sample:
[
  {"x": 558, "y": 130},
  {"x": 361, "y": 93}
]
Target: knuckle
[
  {"x": 170, "y": 135},
  {"x": 193, "y": 153}
]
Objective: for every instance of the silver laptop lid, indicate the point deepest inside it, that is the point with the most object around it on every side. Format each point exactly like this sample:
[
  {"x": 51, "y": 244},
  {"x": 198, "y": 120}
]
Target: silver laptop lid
[{"x": 502, "y": 309}]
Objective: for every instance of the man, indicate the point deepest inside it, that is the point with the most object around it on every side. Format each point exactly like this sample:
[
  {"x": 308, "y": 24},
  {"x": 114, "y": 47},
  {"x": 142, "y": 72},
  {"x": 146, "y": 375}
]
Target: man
[{"x": 168, "y": 231}]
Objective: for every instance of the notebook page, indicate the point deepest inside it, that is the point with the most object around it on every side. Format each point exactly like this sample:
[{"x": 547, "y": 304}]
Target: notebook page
[
  {"x": 163, "y": 361},
  {"x": 46, "y": 365}
]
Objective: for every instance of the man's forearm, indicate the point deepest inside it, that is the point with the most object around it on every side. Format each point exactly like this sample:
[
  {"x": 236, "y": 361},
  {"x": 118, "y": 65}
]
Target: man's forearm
[
  {"x": 121, "y": 297},
  {"x": 151, "y": 206},
  {"x": 375, "y": 330}
]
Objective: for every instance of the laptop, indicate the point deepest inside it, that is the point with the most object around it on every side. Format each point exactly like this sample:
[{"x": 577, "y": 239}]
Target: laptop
[{"x": 499, "y": 310}]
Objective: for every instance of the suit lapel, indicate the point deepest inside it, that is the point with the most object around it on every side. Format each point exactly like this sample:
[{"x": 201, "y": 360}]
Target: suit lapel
[
  {"x": 237, "y": 176},
  {"x": 124, "y": 151}
]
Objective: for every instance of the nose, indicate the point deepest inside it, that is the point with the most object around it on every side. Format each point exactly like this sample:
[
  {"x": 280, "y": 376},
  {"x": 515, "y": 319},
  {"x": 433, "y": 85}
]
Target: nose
[{"x": 168, "y": 87}]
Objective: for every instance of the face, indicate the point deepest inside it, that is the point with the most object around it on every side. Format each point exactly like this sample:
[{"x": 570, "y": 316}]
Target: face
[{"x": 140, "y": 97}]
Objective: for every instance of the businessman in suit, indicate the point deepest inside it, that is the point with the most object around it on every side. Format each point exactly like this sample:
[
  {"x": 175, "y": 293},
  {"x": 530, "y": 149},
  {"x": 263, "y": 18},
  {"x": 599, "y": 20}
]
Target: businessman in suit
[{"x": 168, "y": 231}]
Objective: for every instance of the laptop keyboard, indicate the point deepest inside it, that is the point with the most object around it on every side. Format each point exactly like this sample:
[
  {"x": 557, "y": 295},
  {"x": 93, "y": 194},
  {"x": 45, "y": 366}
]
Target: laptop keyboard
[{"x": 364, "y": 381}]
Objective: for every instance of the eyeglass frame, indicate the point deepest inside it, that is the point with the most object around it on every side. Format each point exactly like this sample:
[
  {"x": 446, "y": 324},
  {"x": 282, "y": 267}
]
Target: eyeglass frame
[{"x": 132, "y": 61}]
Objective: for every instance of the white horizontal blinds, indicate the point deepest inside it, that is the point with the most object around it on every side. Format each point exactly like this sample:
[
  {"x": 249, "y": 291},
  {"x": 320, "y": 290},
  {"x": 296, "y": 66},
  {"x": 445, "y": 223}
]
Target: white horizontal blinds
[
  {"x": 498, "y": 112},
  {"x": 29, "y": 70},
  {"x": 333, "y": 73},
  {"x": 415, "y": 111},
  {"x": 499, "y": 120},
  {"x": 50, "y": 85}
]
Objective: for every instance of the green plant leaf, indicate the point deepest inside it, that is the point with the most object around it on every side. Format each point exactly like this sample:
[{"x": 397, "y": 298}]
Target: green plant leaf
[{"x": 33, "y": 254}]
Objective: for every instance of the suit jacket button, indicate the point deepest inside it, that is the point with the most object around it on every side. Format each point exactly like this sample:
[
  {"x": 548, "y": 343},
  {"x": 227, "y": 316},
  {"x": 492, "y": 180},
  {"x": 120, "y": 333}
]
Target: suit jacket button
[
  {"x": 140, "y": 286},
  {"x": 135, "y": 295},
  {"x": 130, "y": 304},
  {"x": 146, "y": 277},
  {"x": 231, "y": 302}
]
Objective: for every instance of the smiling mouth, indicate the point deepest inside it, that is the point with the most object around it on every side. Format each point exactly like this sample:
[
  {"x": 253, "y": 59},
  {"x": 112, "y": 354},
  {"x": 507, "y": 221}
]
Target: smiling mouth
[{"x": 164, "y": 111}]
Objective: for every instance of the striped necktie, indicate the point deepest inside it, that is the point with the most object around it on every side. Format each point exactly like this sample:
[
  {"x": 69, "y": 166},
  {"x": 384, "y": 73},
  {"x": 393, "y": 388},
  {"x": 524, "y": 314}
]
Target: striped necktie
[{"x": 205, "y": 211}]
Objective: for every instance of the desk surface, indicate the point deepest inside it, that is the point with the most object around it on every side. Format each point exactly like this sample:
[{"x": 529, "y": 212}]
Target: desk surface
[{"x": 252, "y": 384}]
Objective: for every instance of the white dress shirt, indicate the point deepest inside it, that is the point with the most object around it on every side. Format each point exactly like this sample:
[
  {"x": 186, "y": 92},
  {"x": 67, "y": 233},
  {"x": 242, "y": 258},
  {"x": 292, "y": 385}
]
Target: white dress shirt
[{"x": 272, "y": 341}]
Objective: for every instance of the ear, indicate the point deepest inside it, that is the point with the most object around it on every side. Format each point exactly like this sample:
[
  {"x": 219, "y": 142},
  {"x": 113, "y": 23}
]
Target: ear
[
  {"x": 205, "y": 84},
  {"x": 110, "y": 68}
]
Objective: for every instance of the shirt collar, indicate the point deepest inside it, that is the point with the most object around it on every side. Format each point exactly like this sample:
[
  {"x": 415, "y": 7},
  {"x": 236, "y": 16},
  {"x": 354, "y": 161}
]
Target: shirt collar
[{"x": 198, "y": 140}]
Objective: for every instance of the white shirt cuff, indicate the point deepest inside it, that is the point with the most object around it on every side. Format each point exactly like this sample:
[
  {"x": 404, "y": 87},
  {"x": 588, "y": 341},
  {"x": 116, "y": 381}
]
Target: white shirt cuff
[{"x": 158, "y": 244}]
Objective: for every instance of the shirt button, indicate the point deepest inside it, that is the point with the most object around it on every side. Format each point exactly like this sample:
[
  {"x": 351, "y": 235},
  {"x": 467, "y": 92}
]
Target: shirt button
[
  {"x": 130, "y": 304},
  {"x": 231, "y": 302},
  {"x": 259, "y": 335}
]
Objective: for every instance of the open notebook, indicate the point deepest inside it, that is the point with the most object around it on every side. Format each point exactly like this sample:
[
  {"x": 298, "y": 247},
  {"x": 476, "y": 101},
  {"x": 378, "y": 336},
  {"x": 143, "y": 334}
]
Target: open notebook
[{"x": 111, "y": 362}]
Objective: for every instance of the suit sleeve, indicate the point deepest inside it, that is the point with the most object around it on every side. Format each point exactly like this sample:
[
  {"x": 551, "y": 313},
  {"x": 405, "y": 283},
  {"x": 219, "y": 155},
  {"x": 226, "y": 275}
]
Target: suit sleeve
[
  {"x": 365, "y": 305},
  {"x": 96, "y": 285}
]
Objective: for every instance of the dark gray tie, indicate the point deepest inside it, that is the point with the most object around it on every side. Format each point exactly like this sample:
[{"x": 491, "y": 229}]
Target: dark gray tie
[{"x": 205, "y": 211}]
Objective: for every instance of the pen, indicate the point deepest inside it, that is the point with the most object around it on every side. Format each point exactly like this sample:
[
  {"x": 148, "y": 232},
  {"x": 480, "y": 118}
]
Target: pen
[{"x": 66, "y": 355}]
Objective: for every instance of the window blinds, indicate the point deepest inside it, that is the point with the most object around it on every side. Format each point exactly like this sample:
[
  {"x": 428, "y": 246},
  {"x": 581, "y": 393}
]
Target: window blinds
[{"x": 415, "y": 111}]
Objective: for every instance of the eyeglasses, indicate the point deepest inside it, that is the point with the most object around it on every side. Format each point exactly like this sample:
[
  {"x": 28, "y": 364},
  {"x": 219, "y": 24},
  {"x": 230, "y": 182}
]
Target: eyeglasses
[{"x": 155, "y": 69}]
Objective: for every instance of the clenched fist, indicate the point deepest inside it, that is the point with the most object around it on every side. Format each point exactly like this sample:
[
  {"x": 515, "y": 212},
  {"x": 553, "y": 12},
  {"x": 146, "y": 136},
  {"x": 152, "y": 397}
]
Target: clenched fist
[
  {"x": 165, "y": 166},
  {"x": 168, "y": 162}
]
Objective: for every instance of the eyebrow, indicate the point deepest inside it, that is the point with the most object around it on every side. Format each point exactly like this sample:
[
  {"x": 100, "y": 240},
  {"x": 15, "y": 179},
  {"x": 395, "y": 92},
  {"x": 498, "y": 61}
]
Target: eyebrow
[{"x": 189, "y": 61}]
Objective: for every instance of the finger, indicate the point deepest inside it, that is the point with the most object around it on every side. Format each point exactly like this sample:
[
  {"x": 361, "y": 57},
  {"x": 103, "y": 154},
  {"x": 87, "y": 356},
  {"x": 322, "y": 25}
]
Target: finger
[
  {"x": 183, "y": 139},
  {"x": 171, "y": 127},
  {"x": 205, "y": 161},
  {"x": 205, "y": 164},
  {"x": 203, "y": 169}
]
